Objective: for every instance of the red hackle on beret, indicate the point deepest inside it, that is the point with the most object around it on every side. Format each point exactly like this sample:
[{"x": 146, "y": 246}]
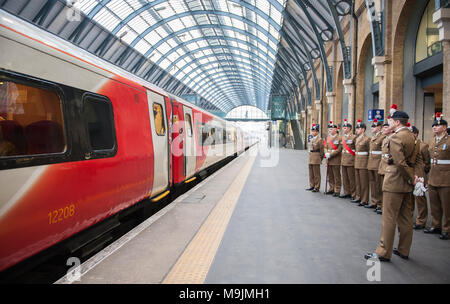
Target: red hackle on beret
[{"x": 393, "y": 109}]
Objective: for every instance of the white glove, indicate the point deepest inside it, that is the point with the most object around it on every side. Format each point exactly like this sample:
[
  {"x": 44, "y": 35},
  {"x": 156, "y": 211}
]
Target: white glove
[
  {"x": 327, "y": 155},
  {"x": 419, "y": 189}
]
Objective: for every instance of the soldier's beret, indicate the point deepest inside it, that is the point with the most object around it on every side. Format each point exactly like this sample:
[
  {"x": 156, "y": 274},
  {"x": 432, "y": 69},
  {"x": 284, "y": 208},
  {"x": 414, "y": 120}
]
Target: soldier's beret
[
  {"x": 439, "y": 120},
  {"x": 315, "y": 127},
  {"x": 376, "y": 123},
  {"x": 332, "y": 125},
  {"x": 400, "y": 115},
  {"x": 360, "y": 124},
  {"x": 347, "y": 124}
]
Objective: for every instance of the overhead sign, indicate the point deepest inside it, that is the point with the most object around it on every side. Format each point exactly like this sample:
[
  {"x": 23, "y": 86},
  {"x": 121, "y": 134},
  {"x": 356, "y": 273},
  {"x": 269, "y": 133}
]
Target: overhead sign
[{"x": 278, "y": 107}]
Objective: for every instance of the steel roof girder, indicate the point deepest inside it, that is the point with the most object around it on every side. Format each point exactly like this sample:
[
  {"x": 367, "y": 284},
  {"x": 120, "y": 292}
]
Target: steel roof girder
[
  {"x": 376, "y": 27},
  {"x": 177, "y": 33},
  {"x": 329, "y": 77},
  {"x": 243, "y": 69},
  {"x": 43, "y": 12},
  {"x": 184, "y": 44},
  {"x": 244, "y": 82},
  {"x": 302, "y": 70},
  {"x": 221, "y": 47},
  {"x": 232, "y": 93},
  {"x": 214, "y": 85},
  {"x": 346, "y": 55},
  {"x": 311, "y": 63},
  {"x": 253, "y": 64},
  {"x": 193, "y": 13}
]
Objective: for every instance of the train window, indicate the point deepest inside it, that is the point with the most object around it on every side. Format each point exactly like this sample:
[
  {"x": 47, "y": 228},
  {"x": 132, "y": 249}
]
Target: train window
[
  {"x": 218, "y": 136},
  {"x": 99, "y": 122},
  {"x": 159, "y": 119},
  {"x": 31, "y": 120},
  {"x": 212, "y": 136},
  {"x": 204, "y": 132},
  {"x": 189, "y": 124}
]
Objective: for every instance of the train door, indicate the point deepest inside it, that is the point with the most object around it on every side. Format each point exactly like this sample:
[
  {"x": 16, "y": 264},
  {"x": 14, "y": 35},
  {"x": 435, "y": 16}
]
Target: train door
[
  {"x": 158, "y": 121},
  {"x": 190, "y": 158}
]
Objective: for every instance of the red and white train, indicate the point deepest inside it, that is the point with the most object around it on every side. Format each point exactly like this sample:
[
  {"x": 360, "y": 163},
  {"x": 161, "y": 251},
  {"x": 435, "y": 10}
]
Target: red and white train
[{"x": 82, "y": 140}]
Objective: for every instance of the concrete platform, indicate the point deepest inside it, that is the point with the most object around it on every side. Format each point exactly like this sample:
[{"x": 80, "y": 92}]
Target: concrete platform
[
  {"x": 280, "y": 233},
  {"x": 256, "y": 224}
]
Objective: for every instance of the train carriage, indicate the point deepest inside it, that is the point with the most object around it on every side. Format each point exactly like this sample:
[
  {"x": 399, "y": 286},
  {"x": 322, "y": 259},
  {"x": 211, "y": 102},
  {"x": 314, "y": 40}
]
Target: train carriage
[{"x": 81, "y": 140}]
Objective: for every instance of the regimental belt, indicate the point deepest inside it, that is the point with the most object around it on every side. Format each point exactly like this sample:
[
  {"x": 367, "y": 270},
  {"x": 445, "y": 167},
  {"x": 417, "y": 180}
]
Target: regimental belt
[
  {"x": 362, "y": 153},
  {"x": 376, "y": 152},
  {"x": 440, "y": 162},
  {"x": 315, "y": 151}
]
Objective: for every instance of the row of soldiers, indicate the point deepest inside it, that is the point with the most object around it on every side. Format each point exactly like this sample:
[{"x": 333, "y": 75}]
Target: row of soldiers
[{"x": 388, "y": 165}]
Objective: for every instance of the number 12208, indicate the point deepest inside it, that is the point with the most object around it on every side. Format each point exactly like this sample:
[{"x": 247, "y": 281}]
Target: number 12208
[{"x": 61, "y": 214}]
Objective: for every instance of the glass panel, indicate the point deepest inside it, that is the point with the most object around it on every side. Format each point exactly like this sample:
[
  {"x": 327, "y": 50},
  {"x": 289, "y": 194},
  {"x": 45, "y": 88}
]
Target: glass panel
[
  {"x": 31, "y": 120},
  {"x": 189, "y": 125},
  {"x": 246, "y": 112},
  {"x": 428, "y": 43},
  {"x": 159, "y": 119},
  {"x": 97, "y": 114}
]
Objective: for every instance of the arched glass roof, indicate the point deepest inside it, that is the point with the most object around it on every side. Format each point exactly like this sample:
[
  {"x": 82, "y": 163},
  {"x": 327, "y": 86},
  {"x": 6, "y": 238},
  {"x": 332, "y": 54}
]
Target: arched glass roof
[
  {"x": 229, "y": 52},
  {"x": 223, "y": 50},
  {"x": 246, "y": 112}
]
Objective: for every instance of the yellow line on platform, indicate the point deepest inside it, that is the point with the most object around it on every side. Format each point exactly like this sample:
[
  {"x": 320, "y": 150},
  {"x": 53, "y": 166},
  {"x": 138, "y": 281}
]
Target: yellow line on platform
[{"x": 193, "y": 265}]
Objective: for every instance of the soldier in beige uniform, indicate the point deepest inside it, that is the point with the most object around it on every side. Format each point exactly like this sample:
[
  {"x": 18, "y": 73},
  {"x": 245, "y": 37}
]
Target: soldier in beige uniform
[
  {"x": 422, "y": 171},
  {"x": 374, "y": 162},
  {"x": 333, "y": 152},
  {"x": 362, "y": 157},
  {"x": 398, "y": 185},
  {"x": 387, "y": 131},
  {"x": 439, "y": 180},
  {"x": 348, "y": 161},
  {"x": 316, "y": 154}
]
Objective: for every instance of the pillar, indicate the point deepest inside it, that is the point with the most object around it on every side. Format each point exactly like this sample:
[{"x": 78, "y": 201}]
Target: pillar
[
  {"x": 331, "y": 97},
  {"x": 318, "y": 107},
  {"x": 380, "y": 62},
  {"x": 349, "y": 89},
  {"x": 303, "y": 121},
  {"x": 442, "y": 18}
]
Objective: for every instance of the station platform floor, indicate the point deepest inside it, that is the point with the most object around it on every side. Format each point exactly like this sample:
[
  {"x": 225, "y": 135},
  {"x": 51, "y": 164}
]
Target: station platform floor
[{"x": 254, "y": 223}]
